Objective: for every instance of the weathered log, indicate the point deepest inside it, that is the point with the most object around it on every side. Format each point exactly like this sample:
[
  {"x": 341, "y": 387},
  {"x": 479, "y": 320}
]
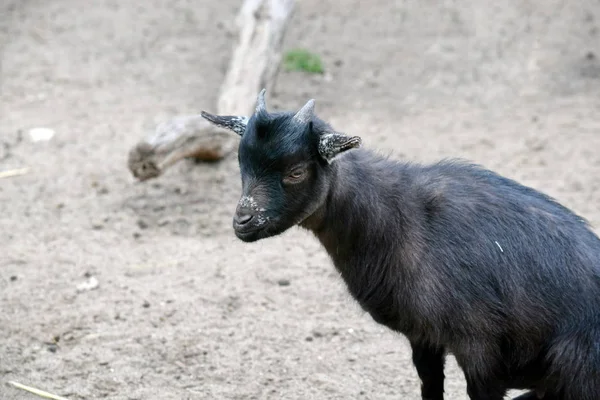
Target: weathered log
[
  {"x": 254, "y": 65},
  {"x": 176, "y": 139}
]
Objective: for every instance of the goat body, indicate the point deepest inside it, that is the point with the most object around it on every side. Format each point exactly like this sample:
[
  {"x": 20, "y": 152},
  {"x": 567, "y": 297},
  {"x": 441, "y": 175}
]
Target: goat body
[
  {"x": 462, "y": 260},
  {"x": 455, "y": 257}
]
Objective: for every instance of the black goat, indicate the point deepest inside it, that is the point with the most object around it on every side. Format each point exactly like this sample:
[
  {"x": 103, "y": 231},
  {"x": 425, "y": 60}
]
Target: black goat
[{"x": 457, "y": 258}]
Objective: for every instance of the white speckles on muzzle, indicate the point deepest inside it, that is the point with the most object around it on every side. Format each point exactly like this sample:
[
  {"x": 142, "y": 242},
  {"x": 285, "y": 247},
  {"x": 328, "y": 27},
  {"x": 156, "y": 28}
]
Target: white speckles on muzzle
[
  {"x": 261, "y": 220},
  {"x": 249, "y": 203}
]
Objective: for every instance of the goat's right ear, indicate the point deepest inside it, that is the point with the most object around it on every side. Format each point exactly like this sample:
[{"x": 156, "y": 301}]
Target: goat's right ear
[
  {"x": 333, "y": 144},
  {"x": 231, "y": 122}
]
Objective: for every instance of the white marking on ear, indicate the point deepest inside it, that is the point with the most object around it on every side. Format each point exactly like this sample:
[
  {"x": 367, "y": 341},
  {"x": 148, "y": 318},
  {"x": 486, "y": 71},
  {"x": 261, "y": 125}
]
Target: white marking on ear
[
  {"x": 234, "y": 123},
  {"x": 333, "y": 144},
  {"x": 239, "y": 125}
]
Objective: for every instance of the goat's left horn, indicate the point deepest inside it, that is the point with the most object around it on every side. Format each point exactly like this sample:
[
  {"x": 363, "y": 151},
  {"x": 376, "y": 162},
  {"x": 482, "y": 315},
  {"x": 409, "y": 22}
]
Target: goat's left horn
[
  {"x": 306, "y": 113},
  {"x": 260, "y": 104}
]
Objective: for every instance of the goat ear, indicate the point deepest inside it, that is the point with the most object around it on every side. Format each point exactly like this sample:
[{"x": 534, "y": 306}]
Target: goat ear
[
  {"x": 231, "y": 122},
  {"x": 333, "y": 144}
]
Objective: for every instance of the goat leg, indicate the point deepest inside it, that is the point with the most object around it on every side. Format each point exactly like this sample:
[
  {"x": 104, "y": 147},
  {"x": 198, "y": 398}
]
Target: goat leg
[
  {"x": 429, "y": 363},
  {"x": 485, "y": 389}
]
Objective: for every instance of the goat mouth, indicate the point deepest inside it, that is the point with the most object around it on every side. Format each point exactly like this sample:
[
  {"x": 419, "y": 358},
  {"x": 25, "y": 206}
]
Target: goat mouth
[
  {"x": 249, "y": 235},
  {"x": 261, "y": 231}
]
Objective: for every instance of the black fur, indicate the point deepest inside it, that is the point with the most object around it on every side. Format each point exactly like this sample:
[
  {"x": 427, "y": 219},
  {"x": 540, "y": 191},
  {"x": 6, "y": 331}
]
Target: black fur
[{"x": 457, "y": 258}]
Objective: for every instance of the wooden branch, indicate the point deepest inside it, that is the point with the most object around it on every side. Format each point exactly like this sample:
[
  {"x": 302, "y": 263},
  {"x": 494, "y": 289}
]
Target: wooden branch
[
  {"x": 176, "y": 139},
  {"x": 254, "y": 65},
  {"x": 256, "y": 59}
]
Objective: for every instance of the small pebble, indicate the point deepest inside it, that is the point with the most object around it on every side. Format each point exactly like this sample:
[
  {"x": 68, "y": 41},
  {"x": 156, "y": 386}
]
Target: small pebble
[
  {"x": 41, "y": 134},
  {"x": 142, "y": 224},
  {"x": 309, "y": 339},
  {"x": 146, "y": 304},
  {"x": 137, "y": 235},
  {"x": 284, "y": 282},
  {"x": 13, "y": 278},
  {"x": 97, "y": 226},
  {"x": 68, "y": 337},
  {"x": 52, "y": 347},
  {"x": 91, "y": 284}
]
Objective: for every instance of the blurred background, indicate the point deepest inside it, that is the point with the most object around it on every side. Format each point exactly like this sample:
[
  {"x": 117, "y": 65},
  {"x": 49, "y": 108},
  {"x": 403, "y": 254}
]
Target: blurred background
[{"x": 112, "y": 288}]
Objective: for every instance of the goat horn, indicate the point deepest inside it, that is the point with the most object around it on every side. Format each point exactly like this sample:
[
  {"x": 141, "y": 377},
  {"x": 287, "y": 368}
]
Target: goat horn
[
  {"x": 260, "y": 104},
  {"x": 306, "y": 113}
]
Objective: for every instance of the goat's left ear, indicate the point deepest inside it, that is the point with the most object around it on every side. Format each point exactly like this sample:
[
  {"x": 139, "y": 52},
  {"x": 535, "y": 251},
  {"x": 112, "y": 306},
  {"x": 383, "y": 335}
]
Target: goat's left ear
[
  {"x": 231, "y": 122},
  {"x": 333, "y": 144}
]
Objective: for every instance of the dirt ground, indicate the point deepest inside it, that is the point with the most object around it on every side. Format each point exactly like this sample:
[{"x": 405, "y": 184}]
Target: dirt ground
[{"x": 183, "y": 309}]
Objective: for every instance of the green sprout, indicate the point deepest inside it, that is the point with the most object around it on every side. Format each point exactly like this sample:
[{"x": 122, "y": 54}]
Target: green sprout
[{"x": 303, "y": 60}]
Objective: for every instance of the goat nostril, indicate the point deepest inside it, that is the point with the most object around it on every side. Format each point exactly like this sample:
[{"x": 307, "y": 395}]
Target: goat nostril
[{"x": 243, "y": 218}]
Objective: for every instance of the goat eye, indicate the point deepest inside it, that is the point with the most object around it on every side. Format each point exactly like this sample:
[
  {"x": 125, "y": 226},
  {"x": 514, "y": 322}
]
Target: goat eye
[{"x": 295, "y": 175}]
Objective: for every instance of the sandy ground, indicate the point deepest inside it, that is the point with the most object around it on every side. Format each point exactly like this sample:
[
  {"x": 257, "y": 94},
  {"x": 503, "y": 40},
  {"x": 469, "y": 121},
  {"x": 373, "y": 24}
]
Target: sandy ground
[{"x": 184, "y": 310}]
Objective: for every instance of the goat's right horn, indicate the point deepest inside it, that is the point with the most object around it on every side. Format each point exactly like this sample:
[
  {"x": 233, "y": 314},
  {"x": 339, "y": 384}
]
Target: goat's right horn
[
  {"x": 260, "y": 103},
  {"x": 306, "y": 113}
]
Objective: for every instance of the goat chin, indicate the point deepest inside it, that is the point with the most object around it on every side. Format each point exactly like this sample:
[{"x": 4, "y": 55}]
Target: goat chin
[
  {"x": 248, "y": 237},
  {"x": 263, "y": 232}
]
